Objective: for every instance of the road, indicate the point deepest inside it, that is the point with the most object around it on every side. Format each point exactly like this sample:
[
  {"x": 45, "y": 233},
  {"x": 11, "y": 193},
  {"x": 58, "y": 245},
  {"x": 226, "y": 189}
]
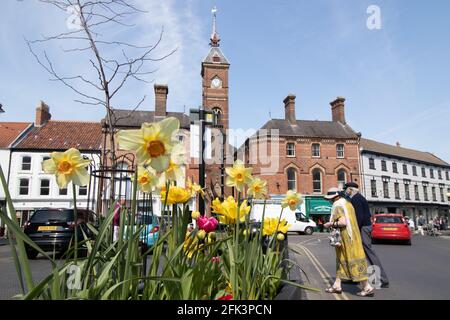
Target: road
[{"x": 420, "y": 271}]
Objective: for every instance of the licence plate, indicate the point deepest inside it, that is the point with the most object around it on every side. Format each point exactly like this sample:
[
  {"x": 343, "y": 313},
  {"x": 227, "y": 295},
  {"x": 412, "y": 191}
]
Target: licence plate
[
  {"x": 47, "y": 228},
  {"x": 390, "y": 229}
]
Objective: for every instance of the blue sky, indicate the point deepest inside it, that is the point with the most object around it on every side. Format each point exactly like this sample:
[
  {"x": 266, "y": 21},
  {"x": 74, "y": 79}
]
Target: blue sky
[{"x": 396, "y": 79}]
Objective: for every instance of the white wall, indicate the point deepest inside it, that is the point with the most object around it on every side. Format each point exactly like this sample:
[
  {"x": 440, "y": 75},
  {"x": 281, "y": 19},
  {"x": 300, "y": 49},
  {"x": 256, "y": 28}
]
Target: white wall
[
  {"x": 4, "y": 162},
  {"x": 34, "y": 200}
]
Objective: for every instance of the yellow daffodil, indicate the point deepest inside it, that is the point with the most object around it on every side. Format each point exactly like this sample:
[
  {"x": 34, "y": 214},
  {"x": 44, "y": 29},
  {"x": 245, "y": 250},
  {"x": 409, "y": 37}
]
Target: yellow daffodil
[
  {"x": 152, "y": 143},
  {"x": 280, "y": 237},
  {"x": 191, "y": 245},
  {"x": 176, "y": 195},
  {"x": 292, "y": 200},
  {"x": 67, "y": 166},
  {"x": 195, "y": 188},
  {"x": 216, "y": 206},
  {"x": 147, "y": 179},
  {"x": 258, "y": 188},
  {"x": 174, "y": 171},
  {"x": 238, "y": 175},
  {"x": 227, "y": 210},
  {"x": 274, "y": 225}
]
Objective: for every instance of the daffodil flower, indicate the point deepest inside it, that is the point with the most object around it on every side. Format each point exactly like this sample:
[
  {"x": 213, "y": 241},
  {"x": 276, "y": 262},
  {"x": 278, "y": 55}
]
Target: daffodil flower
[
  {"x": 68, "y": 166},
  {"x": 152, "y": 143},
  {"x": 238, "y": 175},
  {"x": 195, "y": 188},
  {"x": 176, "y": 195},
  {"x": 292, "y": 200},
  {"x": 227, "y": 210},
  {"x": 274, "y": 225},
  {"x": 258, "y": 188},
  {"x": 147, "y": 179},
  {"x": 174, "y": 172}
]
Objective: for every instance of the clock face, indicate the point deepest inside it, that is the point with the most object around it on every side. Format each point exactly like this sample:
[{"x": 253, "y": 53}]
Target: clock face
[{"x": 216, "y": 83}]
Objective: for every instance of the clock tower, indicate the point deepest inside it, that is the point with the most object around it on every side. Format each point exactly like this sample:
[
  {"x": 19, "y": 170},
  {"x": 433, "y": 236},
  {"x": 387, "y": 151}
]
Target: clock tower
[{"x": 215, "y": 79}]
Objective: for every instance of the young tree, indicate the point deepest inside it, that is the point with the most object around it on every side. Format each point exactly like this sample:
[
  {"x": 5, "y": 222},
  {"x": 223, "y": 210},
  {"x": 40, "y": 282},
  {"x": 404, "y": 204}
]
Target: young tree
[{"x": 110, "y": 63}]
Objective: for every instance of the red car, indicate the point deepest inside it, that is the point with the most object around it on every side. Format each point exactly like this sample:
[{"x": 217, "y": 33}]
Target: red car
[{"x": 390, "y": 226}]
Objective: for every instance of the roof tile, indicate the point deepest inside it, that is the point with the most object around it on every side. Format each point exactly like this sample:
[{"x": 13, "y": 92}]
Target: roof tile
[{"x": 10, "y": 131}]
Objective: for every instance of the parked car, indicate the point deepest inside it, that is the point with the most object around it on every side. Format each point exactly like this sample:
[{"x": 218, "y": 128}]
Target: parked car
[
  {"x": 54, "y": 229},
  {"x": 390, "y": 227},
  {"x": 150, "y": 232},
  {"x": 298, "y": 221}
]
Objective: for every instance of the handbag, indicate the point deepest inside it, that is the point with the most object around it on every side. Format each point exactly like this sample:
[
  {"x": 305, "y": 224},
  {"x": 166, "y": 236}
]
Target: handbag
[{"x": 335, "y": 238}]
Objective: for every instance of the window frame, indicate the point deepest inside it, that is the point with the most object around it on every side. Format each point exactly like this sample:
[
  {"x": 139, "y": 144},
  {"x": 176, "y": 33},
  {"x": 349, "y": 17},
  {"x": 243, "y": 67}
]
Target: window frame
[
  {"x": 22, "y": 163},
  {"x": 384, "y": 165},
  {"x": 82, "y": 188},
  {"x": 372, "y": 164},
  {"x": 291, "y": 170},
  {"x": 343, "y": 150},
  {"x": 405, "y": 169},
  {"x": 397, "y": 190},
  {"x": 313, "y": 149},
  {"x": 28, "y": 186},
  {"x": 290, "y": 144},
  {"x": 317, "y": 181},
  {"x": 394, "y": 167},
  {"x": 41, "y": 187},
  {"x": 373, "y": 188}
]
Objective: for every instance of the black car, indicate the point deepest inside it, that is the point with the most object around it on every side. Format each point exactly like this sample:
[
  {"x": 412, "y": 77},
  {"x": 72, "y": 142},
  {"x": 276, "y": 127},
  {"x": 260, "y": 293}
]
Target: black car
[{"x": 54, "y": 229}]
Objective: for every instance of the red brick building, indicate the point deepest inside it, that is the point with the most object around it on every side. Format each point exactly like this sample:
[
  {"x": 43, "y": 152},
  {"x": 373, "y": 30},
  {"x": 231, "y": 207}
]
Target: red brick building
[{"x": 307, "y": 156}]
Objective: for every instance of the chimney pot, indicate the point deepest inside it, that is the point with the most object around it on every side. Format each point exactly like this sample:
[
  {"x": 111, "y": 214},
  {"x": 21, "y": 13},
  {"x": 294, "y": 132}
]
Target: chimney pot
[
  {"x": 338, "y": 110},
  {"x": 161, "y": 92},
  {"x": 398, "y": 144},
  {"x": 289, "y": 109},
  {"x": 42, "y": 114}
]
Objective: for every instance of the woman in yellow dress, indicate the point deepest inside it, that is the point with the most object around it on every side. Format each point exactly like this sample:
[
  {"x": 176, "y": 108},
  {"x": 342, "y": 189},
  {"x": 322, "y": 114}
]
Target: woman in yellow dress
[{"x": 351, "y": 263}]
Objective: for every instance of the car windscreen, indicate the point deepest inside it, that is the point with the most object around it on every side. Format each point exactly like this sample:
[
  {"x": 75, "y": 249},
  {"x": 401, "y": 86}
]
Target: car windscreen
[
  {"x": 388, "y": 220},
  {"x": 43, "y": 216},
  {"x": 146, "y": 219}
]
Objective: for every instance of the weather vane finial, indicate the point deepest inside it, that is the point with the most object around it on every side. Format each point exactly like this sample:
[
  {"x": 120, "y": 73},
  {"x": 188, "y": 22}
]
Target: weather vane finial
[{"x": 215, "y": 39}]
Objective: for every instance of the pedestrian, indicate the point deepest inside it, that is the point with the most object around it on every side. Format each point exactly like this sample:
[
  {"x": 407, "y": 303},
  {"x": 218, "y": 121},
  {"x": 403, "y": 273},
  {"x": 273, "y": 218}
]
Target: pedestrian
[
  {"x": 118, "y": 207},
  {"x": 441, "y": 223},
  {"x": 351, "y": 263},
  {"x": 363, "y": 217},
  {"x": 320, "y": 224},
  {"x": 421, "y": 224}
]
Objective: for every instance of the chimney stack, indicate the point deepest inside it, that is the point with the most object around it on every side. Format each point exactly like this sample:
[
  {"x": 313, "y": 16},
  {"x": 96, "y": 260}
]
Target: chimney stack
[
  {"x": 42, "y": 114},
  {"x": 289, "y": 109},
  {"x": 398, "y": 144},
  {"x": 161, "y": 92},
  {"x": 338, "y": 110}
]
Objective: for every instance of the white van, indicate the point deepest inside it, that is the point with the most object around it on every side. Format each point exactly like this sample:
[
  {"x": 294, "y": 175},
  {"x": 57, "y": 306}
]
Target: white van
[{"x": 298, "y": 221}]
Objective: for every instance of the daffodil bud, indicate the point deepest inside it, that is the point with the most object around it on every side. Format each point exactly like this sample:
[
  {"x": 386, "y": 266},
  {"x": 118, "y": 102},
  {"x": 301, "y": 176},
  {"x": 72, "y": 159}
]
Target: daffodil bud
[
  {"x": 195, "y": 215},
  {"x": 201, "y": 234},
  {"x": 280, "y": 237},
  {"x": 245, "y": 232},
  {"x": 212, "y": 235}
]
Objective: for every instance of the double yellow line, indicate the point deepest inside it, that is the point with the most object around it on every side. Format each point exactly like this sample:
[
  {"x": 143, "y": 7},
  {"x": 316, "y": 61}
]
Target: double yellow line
[{"x": 327, "y": 279}]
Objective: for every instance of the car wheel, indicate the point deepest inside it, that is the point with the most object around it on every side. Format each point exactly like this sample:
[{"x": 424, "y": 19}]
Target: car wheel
[
  {"x": 31, "y": 253},
  {"x": 309, "y": 231},
  {"x": 374, "y": 241}
]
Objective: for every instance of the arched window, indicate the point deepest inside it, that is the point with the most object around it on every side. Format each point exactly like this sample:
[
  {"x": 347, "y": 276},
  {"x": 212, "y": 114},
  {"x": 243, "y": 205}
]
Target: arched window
[
  {"x": 342, "y": 178},
  {"x": 291, "y": 179},
  {"x": 317, "y": 181},
  {"x": 217, "y": 115}
]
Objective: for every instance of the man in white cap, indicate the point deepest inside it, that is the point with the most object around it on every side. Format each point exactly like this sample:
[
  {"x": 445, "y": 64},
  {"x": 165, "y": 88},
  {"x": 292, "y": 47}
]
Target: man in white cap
[{"x": 351, "y": 260}]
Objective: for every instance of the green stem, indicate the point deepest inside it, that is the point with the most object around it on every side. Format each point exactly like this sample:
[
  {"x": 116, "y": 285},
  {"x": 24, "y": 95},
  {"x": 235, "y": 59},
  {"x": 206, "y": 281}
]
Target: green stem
[
  {"x": 75, "y": 218},
  {"x": 20, "y": 244}
]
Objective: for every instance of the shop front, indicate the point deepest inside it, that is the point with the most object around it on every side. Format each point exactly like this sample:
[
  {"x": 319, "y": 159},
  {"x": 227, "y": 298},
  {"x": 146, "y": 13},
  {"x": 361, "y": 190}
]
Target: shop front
[{"x": 318, "y": 209}]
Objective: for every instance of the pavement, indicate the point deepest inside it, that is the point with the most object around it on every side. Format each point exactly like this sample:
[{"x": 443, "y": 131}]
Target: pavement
[{"x": 419, "y": 271}]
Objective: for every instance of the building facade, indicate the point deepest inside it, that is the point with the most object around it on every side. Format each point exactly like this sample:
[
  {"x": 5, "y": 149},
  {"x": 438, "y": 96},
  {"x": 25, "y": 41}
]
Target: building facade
[
  {"x": 401, "y": 180},
  {"x": 10, "y": 132},
  {"x": 29, "y": 186},
  {"x": 305, "y": 156}
]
